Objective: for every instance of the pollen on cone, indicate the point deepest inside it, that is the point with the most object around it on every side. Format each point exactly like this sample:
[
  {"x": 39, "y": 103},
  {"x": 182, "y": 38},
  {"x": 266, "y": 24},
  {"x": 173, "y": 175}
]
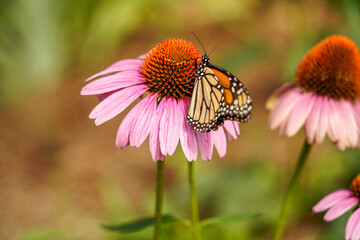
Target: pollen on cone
[
  {"x": 168, "y": 67},
  {"x": 331, "y": 68}
]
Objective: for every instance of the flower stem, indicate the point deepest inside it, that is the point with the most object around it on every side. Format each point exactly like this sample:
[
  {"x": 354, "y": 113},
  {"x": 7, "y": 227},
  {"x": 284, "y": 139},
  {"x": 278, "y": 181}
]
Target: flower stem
[
  {"x": 159, "y": 198},
  {"x": 195, "y": 223},
  {"x": 289, "y": 196}
]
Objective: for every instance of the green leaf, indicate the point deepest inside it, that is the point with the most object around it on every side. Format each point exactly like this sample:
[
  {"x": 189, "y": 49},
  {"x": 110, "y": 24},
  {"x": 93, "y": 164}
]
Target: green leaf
[
  {"x": 140, "y": 224},
  {"x": 229, "y": 219}
]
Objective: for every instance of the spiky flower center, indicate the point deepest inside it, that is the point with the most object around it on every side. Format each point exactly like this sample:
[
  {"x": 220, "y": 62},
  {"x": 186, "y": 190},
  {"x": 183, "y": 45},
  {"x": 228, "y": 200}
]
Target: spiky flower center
[
  {"x": 168, "y": 67},
  {"x": 355, "y": 186},
  {"x": 331, "y": 68}
]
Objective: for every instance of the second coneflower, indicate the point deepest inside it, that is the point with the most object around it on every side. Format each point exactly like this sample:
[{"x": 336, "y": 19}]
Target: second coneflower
[{"x": 324, "y": 97}]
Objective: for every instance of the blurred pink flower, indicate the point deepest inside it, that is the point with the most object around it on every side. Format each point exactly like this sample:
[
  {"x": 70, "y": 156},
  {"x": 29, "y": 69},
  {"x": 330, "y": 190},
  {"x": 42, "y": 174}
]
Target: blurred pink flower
[
  {"x": 324, "y": 97},
  {"x": 339, "y": 202},
  {"x": 160, "y": 80}
]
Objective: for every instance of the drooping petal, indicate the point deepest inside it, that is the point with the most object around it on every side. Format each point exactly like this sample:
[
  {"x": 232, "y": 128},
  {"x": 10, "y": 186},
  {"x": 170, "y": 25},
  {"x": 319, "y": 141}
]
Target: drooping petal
[
  {"x": 116, "y": 103},
  {"x": 174, "y": 126},
  {"x": 187, "y": 135},
  {"x": 164, "y": 125},
  {"x": 299, "y": 114},
  {"x": 357, "y": 111},
  {"x": 134, "y": 128},
  {"x": 283, "y": 107},
  {"x": 145, "y": 119},
  {"x": 352, "y": 230},
  {"x": 102, "y": 96},
  {"x": 334, "y": 129},
  {"x": 122, "y": 65},
  {"x": 123, "y": 133},
  {"x": 331, "y": 199},
  {"x": 112, "y": 83},
  {"x": 348, "y": 121},
  {"x": 236, "y": 126},
  {"x": 169, "y": 126},
  {"x": 312, "y": 122},
  {"x": 205, "y": 145},
  {"x": 219, "y": 139},
  {"x": 357, "y": 117},
  {"x": 276, "y": 95},
  {"x": 154, "y": 142},
  {"x": 188, "y": 142},
  {"x": 340, "y": 208},
  {"x": 231, "y": 128},
  {"x": 323, "y": 121}
]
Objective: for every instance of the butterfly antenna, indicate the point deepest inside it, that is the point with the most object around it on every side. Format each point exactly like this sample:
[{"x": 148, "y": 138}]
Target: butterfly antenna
[
  {"x": 214, "y": 48},
  {"x": 198, "y": 40}
]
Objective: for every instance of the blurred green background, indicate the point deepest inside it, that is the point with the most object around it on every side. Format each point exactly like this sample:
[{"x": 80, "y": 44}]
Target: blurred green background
[{"x": 61, "y": 177}]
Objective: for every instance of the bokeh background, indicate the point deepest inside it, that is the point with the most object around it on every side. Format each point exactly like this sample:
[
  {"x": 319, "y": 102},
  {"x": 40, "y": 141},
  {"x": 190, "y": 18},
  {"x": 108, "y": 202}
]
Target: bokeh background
[{"x": 61, "y": 177}]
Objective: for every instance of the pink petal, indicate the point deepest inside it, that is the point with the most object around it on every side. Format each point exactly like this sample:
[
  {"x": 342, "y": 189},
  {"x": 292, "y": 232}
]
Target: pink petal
[
  {"x": 236, "y": 127},
  {"x": 283, "y": 107},
  {"x": 174, "y": 126},
  {"x": 276, "y": 95},
  {"x": 134, "y": 129},
  {"x": 299, "y": 114},
  {"x": 123, "y": 133},
  {"x": 205, "y": 145},
  {"x": 116, "y": 103},
  {"x": 145, "y": 119},
  {"x": 164, "y": 125},
  {"x": 357, "y": 111},
  {"x": 353, "y": 226},
  {"x": 219, "y": 139},
  {"x": 187, "y": 135},
  {"x": 122, "y": 65},
  {"x": 334, "y": 130},
  {"x": 112, "y": 82},
  {"x": 230, "y": 128},
  {"x": 312, "y": 122},
  {"x": 331, "y": 199},
  {"x": 357, "y": 116},
  {"x": 348, "y": 120},
  {"x": 323, "y": 121},
  {"x": 169, "y": 126},
  {"x": 102, "y": 96},
  {"x": 343, "y": 129},
  {"x": 154, "y": 142},
  {"x": 340, "y": 208}
]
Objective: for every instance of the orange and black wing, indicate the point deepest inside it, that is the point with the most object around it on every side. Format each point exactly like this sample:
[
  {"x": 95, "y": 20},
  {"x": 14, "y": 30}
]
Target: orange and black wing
[{"x": 217, "y": 96}]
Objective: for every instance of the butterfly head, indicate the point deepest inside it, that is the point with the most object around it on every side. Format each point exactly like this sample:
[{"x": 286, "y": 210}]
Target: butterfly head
[{"x": 205, "y": 60}]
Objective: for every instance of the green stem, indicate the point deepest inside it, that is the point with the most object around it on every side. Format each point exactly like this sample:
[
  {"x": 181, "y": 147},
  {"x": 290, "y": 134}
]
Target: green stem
[
  {"x": 289, "y": 196},
  {"x": 159, "y": 198},
  {"x": 195, "y": 223}
]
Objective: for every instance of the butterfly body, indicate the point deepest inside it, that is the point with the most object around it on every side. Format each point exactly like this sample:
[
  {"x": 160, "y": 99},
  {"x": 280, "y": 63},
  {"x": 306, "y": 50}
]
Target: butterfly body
[{"x": 217, "y": 96}]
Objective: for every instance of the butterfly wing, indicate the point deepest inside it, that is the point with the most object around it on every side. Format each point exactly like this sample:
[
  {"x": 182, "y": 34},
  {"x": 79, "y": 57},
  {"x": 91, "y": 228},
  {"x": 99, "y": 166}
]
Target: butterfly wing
[
  {"x": 205, "y": 102},
  {"x": 217, "y": 96},
  {"x": 238, "y": 103}
]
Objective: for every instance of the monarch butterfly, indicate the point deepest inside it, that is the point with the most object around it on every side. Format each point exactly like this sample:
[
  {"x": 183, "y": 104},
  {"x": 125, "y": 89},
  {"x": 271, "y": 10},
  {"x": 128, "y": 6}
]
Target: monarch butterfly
[{"x": 217, "y": 96}]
